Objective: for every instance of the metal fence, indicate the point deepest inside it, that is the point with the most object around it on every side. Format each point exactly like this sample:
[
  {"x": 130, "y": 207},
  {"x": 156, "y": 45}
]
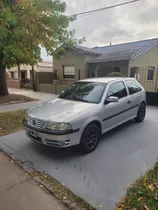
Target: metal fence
[
  {"x": 27, "y": 83},
  {"x": 148, "y": 78}
]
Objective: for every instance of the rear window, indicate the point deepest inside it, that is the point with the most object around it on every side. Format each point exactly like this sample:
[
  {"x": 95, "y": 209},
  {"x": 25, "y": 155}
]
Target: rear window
[{"x": 133, "y": 87}]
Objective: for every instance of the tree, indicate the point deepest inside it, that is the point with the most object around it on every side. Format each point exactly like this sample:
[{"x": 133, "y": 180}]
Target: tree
[{"x": 28, "y": 25}]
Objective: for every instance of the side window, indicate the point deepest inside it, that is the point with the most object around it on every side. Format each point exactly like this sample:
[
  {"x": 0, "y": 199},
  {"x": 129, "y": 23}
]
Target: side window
[
  {"x": 133, "y": 87},
  {"x": 117, "y": 89}
]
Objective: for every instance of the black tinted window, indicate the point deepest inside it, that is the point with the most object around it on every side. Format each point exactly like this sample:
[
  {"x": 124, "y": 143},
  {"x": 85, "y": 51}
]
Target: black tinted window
[
  {"x": 118, "y": 90},
  {"x": 133, "y": 87}
]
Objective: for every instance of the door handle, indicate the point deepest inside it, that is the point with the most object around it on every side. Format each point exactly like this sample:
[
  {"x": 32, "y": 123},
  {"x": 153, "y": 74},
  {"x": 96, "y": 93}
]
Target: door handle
[{"x": 129, "y": 102}]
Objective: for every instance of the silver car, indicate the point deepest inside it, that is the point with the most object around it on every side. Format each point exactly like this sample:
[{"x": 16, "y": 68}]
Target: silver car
[{"x": 86, "y": 110}]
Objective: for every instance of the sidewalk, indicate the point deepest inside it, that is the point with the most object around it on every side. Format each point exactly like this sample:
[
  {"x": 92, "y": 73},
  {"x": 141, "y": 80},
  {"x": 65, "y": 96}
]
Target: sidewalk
[
  {"x": 19, "y": 192},
  {"x": 32, "y": 94},
  {"x": 16, "y": 107},
  {"x": 37, "y": 95}
]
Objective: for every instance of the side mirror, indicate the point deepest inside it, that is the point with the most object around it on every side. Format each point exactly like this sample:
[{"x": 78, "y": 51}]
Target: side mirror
[{"x": 112, "y": 99}]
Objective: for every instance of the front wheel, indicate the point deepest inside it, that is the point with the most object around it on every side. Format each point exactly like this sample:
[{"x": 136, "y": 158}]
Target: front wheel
[
  {"x": 90, "y": 138},
  {"x": 141, "y": 113}
]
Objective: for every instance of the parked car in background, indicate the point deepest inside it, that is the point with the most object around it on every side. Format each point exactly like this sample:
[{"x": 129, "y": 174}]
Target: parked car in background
[{"x": 86, "y": 110}]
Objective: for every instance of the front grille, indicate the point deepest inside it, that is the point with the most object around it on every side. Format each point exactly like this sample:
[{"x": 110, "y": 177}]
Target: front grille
[{"x": 35, "y": 122}]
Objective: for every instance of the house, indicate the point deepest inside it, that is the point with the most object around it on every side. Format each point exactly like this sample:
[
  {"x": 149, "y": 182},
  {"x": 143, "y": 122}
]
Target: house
[
  {"x": 135, "y": 59},
  {"x": 43, "y": 73},
  {"x": 26, "y": 70}
]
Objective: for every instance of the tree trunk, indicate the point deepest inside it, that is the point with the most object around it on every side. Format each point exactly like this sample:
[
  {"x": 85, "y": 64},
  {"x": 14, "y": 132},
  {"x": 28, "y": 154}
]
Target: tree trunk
[
  {"x": 19, "y": 71},
  {"x": 3, "y": 84}
]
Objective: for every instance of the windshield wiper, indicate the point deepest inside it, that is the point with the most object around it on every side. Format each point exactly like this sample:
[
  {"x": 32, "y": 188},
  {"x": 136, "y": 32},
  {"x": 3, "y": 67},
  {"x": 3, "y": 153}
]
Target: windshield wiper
[
  {"x": 80, "y": 99},
  {"x": 74, "y": 99}
]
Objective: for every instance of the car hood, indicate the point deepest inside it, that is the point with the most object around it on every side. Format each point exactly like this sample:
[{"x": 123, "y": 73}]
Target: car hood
[{"x": 58, "y": 110}]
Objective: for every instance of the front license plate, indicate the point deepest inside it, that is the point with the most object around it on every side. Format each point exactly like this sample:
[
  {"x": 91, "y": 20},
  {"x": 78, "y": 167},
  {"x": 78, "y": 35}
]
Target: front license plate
[{"x": 32, "y": 133}]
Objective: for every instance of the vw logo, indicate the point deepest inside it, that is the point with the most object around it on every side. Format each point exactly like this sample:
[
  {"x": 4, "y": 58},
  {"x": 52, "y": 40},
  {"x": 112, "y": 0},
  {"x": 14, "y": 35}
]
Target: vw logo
[{"x": 34, "y": 121}]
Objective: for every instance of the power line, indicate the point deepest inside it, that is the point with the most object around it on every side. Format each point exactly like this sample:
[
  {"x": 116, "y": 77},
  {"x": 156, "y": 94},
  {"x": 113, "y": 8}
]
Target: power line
[{"x": 101, "y": 9}]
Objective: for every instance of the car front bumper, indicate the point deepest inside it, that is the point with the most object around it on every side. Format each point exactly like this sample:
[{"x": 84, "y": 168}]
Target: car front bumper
[{"x": 53, "y": 139}]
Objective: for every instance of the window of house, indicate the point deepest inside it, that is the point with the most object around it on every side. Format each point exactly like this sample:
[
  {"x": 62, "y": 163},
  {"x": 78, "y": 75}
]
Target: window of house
[
  {"x": 150, "y": 73},
  {"x": 133, "y": 87},
  {"x": 69, "y": 72},
  {"x": 117, "y": 89},
  {"x": 12, "y": 74},
  {"x": 23, "y": 75}
]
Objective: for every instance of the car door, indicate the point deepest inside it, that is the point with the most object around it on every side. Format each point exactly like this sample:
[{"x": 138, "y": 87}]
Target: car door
[
  {"x": 135, "y": 96},
  {"x": 115, "y": 113}
]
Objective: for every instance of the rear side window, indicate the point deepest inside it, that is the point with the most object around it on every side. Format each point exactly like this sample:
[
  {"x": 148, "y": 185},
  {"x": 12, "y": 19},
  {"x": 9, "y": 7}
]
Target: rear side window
[
  {"x": 117, "y": 89},
  {"x": 133, "y": 87}
]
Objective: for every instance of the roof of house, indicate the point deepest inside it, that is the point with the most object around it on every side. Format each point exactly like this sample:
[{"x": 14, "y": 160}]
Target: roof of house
[
  {"x": 86, "y": 50},
  {"x": 124, "y": 51}
]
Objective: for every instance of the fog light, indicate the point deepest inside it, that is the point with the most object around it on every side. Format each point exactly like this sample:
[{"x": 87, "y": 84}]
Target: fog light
[{"x": 61, "y": 143}]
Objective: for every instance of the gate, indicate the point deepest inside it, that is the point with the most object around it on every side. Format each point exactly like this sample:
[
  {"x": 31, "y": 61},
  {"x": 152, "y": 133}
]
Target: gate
[{"x": 27, "y": 83}]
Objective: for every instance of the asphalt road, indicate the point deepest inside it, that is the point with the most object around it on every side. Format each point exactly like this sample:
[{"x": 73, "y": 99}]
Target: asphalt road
[{"x": 123, "y": 155}]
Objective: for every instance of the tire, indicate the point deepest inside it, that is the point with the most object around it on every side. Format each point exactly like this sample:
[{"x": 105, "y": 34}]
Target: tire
[
  {"x": 141, "y": 113},
  {"x": 90, "y": 138}
]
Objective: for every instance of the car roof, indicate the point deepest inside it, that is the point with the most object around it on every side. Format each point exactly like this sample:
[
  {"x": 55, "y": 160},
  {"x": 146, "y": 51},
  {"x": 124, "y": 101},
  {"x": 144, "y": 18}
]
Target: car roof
[{"x": 105, "y": 79}]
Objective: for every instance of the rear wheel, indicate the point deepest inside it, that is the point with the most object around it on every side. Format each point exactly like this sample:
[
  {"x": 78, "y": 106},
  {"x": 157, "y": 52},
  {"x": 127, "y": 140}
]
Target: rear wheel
[
  {"x": 90, "y": 138},
  {"x": 141, "y": 113}
]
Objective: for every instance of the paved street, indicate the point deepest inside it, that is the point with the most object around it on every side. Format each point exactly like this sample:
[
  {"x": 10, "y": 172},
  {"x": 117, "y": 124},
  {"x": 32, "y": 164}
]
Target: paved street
[{"x": 122, "y": 156}]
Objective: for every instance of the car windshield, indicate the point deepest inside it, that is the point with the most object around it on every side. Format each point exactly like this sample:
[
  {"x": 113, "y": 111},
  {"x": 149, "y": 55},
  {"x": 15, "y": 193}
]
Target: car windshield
[{"x": 88, "y": 92}]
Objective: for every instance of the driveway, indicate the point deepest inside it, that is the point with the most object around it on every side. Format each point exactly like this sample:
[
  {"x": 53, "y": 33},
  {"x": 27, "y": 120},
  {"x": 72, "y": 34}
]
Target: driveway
[{"x": 101, "y": 177}]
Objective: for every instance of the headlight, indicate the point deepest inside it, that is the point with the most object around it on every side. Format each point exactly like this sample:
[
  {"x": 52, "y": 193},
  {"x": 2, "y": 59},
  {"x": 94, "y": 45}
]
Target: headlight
[
  {"x": 26, "y": 117},
  {"x": 59, "y": 126}
]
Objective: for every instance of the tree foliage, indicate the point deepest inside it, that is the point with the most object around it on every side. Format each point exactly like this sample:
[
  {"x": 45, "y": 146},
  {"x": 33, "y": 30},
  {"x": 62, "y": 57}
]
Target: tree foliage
[
  {"x": 25, "y": 25},
  {"x": 28, "y": 25}
]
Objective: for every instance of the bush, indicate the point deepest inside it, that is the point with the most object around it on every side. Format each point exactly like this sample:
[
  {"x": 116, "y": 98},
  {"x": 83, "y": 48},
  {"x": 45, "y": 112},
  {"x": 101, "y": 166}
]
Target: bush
[{"x": 115, "y": 74}]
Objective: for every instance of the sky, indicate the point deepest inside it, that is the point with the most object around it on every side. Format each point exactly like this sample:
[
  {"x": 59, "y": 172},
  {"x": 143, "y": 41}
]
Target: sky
[{"x": 136, "y": 21}]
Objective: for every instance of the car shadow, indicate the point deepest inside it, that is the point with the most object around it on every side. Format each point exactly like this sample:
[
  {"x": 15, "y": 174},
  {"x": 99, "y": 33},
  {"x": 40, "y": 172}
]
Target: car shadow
[
  {"x": 117, "y": 130},
  {"x": 74, "y": 152}
]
